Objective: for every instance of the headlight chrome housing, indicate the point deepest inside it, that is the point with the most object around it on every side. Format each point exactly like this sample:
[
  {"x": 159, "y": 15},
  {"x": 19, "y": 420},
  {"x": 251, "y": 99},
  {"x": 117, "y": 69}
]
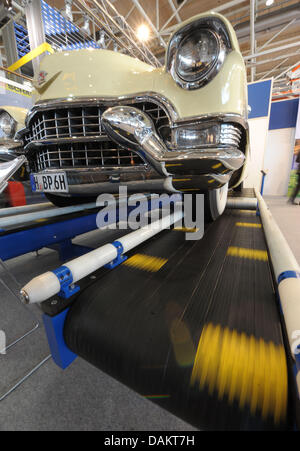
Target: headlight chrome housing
[
  {"x": 197, "y": 51},
  {"x": 7, "y": 126}
]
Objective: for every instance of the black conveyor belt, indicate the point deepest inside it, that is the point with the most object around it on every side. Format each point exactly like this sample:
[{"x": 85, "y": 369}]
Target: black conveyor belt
[{"x": 201, "y": 336}]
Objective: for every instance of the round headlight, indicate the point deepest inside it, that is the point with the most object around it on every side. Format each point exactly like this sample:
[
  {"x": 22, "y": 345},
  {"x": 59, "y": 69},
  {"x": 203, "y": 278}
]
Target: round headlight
[
  {"x": 7, "y": 125},
  {"x": 197, "y": 55}
]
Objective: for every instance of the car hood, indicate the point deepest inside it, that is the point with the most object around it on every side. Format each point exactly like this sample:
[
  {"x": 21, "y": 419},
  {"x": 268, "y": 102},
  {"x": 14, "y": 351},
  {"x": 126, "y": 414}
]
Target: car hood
[{"x": 102, "y": 73}]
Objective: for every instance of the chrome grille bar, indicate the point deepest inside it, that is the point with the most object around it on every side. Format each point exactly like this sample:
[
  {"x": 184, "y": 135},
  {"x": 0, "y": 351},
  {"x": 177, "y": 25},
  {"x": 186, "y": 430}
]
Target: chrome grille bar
[
  {"x": 80, "y": 122},
  {"x": 85, "y": 155}
]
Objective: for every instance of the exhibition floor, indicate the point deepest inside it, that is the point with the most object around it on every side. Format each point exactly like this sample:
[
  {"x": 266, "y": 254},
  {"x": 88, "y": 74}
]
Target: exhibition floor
[
  {"x": 82, "y": 397},
  {"x": 287, "y": 217}
]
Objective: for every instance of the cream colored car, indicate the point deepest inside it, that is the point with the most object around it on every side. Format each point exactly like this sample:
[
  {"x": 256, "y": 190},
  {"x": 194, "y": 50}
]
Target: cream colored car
[
  {"x": 12, "y": 119},
  {"x": 103, "y": 119}
]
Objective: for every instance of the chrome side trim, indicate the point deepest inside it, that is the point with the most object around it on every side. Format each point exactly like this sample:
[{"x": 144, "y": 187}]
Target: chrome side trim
[
  {"x": 213, "y": 117},
  {"x": 105, "y": 170},
  {"x": 8, "y": 169},
  {"x": 74, "y": 139},
  {"x": 7, "y": 154},
  {"x": 10, "y": 143}
]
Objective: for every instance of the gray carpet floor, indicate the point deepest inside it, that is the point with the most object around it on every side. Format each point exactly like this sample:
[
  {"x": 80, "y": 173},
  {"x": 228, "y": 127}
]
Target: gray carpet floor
[{"x": 81, "y": 398}]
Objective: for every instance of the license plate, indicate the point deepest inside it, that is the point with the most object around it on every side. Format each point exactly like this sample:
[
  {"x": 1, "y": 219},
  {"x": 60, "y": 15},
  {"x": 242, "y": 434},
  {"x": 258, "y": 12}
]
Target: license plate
[{"x": 50, "y": 183}]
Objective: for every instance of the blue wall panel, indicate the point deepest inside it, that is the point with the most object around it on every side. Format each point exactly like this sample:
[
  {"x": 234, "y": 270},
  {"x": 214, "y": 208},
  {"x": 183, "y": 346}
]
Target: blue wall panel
[
  {"x": 283, "y": 114},
  {"x": 259, "y": 98}
]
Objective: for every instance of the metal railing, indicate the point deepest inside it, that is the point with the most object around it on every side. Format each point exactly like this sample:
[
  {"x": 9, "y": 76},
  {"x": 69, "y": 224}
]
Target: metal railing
[{"x": 116, "y": 31}]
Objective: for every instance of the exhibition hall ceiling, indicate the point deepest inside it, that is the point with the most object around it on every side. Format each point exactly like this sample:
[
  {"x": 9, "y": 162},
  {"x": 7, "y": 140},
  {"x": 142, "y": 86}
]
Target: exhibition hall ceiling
[{"x": 275, "y": 25}]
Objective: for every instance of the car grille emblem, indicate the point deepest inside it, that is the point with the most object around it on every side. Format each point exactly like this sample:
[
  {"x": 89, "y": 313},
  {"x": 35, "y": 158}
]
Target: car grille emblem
[{"x": 42, "y": 77}]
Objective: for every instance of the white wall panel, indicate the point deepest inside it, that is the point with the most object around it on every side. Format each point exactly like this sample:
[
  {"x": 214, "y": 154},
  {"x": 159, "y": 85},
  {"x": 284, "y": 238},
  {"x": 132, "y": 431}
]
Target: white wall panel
[
  {"x": 258, "y": 129},
  {"x": 278, "y": 161}
]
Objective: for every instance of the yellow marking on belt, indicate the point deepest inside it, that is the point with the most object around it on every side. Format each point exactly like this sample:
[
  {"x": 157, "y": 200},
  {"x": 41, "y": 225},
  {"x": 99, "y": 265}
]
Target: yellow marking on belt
[
  {"x": 186, "y": 229},
  {"x": 211, "y": 181},
  {"x": 242, "y": 252},
  {"x": 242, "y": 369},
  {"x": 190, "y": 189},
  {"x": 216, "y": 166},
  {"x": 45, "y": 47},
  {"x": 181, "y": 180},
  {"x": 177, "y": 164},
  {"x": 247, "y": 212},
  {"x": 248, "y": 224},
  {"x": 157, "y": 396},
  {"x": 146, "y": 262}
]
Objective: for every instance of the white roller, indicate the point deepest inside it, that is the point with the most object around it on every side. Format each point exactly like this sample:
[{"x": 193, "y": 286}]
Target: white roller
[
  {"x": 25, "y": 209},
  {"x": 43, "y": 286},
  {"x": 282, "y": 257},
  {"x": 55, "y": 212},
  {"x": 89, "y": 263},
  {"x": 283, "y": 260},
  {"x": 47, "y": 285},
  {"x": 289, "y": 292},
  {"x": 43, "y": 214}
]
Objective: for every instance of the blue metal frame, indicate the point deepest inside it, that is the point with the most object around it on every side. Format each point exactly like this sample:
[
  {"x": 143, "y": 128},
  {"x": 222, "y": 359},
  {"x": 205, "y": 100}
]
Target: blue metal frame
[
  {"x": 20, "y": 242},
  {"x": 16, "y": 243},
  {"x": 65, "y": 277},
  {"x": 120, "y": 257},
  {"x": 54, "y": 326},
  {"x": 58, "y": 235}
]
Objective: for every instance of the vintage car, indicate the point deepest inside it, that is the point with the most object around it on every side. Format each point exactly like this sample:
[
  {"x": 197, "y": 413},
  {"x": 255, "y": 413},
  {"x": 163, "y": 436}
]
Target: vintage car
[
  {"x": 12, "y": 119},
  {"x": 104, "y": 119}
]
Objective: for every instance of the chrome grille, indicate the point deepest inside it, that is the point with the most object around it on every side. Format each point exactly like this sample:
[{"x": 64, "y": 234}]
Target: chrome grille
[
  {"x": 80, "y": 122},
  {"x": 72, "y": 136},
  {"x": 230, "y": 134},
  {"x": 83, "y": 155}
]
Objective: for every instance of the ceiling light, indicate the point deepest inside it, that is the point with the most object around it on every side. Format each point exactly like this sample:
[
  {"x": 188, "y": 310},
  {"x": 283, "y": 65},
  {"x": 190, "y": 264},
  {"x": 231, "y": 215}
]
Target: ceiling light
[
  {"x": 67, "y": 13},
  {"x": 8, "y": 4},
  {"x": 269, "y": 2},
  {"x": 86, "y": 27},
  {"x": 143, "y": 33}
]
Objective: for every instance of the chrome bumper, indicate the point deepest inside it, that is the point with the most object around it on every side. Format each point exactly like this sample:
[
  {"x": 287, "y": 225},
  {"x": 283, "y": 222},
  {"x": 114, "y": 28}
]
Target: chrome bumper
[
  {"x": 8, "y": 169},
  {"x": 94, "y": 182},
  {"x": 132, "y": 128},
  {"x": 7, "y": 154},
  {"x": 165, "y": 170}
]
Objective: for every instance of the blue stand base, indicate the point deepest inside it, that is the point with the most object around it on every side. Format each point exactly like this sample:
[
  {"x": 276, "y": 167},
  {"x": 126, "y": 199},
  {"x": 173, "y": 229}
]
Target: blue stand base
[
  {"x": 67, "y": 250},
  {"x": 61, "y": 354},
  {"x": 120, "y": 257}
]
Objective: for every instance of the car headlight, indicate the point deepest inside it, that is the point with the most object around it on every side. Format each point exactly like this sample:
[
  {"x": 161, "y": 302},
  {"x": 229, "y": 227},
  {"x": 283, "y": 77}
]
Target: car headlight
[
  {"x": 197, "y": 55},
  {"x": 7, "y": 126},
  {"x": 197, "y": 51}
]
